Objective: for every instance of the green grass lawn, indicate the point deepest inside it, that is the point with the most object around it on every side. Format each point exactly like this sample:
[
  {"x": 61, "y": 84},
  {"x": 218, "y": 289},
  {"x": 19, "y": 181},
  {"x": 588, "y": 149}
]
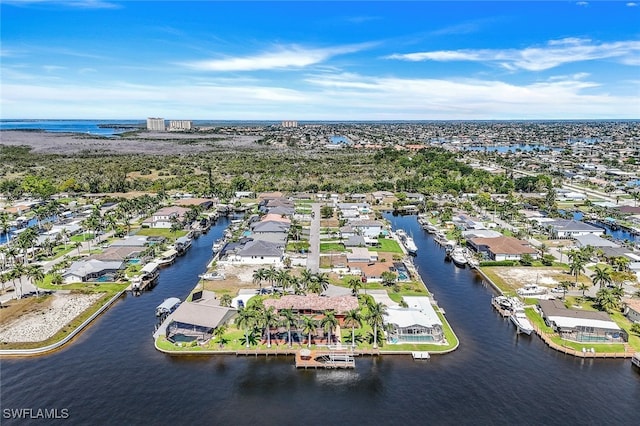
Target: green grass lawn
[
  {"x": 161, "y": 232},
  {"x": 387, "y": 245},
  {"x": 329, "y": 247}
]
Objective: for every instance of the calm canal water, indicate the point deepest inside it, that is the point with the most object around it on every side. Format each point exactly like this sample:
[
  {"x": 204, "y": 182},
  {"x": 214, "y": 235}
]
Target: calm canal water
[{"x": 112, "y": 374}]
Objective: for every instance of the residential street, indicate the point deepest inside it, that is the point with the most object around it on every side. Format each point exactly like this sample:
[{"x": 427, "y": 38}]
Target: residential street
[{"x": 313, "y": 258}]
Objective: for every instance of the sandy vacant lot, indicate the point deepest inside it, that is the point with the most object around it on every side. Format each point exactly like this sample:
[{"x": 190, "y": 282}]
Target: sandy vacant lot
[
  {"x": 46, "y": 319},
  {"x": 146, "y": 143},
  {"x": 517, "y": 277}
]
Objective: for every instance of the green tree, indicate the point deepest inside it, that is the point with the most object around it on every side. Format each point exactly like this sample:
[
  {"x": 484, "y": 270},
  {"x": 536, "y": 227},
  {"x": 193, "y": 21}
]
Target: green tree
[
  {"x": 353, "y": 319},
  {"x": 355, "y": 284},
  {"x": 269, "y": 319},
  {"x": 601, "y": 276},
  {"x": 309, "y": 326},
  {"x": 526, "y": 259},
  {"x": 375, "y": 318},
  {"x": 225, "y": 300},
  {"x": 246, "y": 319},
  {"x": 328, "y": 323},
  {"x": 288, "y": 319}
]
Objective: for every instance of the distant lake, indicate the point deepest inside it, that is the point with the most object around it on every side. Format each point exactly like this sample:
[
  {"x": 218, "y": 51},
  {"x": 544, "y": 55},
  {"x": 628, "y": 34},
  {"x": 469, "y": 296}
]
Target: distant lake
[{"x": 339, "y": 139}]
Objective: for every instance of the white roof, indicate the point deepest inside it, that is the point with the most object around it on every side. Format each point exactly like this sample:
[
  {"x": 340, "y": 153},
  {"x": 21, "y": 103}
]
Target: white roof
[
  {"x": 570, "y": 322},
  {"x": 150, "y": 267},
  {"x": 419, "y": 312}
]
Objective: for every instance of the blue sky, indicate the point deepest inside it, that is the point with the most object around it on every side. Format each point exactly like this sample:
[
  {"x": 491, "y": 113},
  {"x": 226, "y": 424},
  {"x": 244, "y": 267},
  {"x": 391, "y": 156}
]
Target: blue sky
[{"x": 333, "y": 60}]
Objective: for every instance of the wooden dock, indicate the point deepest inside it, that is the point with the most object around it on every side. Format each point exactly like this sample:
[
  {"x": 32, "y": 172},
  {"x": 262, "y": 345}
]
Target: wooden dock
[
  {"x": 307, "y": 358},
  {"x": 420, "y": 355}
]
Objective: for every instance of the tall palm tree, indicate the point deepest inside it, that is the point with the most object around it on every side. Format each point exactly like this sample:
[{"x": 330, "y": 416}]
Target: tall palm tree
[
  {"x": 282, "y": 278},
  {"x": 583, "y": 287},
  {"x": 576, "y": 266},
  {"x": 323, "y": 280},
  {"x": 219, "y": 333},
  {"x": 305, "y": 278},
  {"x": 352, "y": 319},
  {"x": 270, "y": 274},
  {"x": 375, "y": 318},
  {"x": 288, "y": 319},
  {"x": 355, "y": 284},
  {"x": 329, "y": 322},
  {"x": 259, "y": 275},
  {"x": 35, "y": 273},
  {"x": 601, "y": 276},
  {"x": 621, "y": 263},
  {"x": 16, "y": 273},
  {"x": 309, "y": 326},
  {"x": 268, "y": 320},
  {"x": 246, "y": 319}
]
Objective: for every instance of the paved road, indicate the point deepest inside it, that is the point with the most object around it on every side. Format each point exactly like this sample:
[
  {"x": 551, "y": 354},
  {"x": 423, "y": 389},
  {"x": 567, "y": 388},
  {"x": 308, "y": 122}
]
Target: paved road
[{"x": 313, "y": 258}]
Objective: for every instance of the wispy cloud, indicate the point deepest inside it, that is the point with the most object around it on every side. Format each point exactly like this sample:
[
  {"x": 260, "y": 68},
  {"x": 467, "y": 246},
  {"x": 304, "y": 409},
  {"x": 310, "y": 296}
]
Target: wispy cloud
[
  {"x": 582, "y": 3},
  {"x": 555, "y": 53},
  {"x": 282, "y": 57},
  {"x": 632, "y": 4},
  {"x": 362, "y": 19}
]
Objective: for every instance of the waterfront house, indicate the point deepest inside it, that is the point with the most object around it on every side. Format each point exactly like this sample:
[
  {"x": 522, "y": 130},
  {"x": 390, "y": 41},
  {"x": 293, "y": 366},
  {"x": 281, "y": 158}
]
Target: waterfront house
[
  {"x": 355, "y": 241},
  {"x": 418, "y": 323},
  {"x": 258, "y": 252},
  {"x": 580, "y": 326},
  {"x": 315, "y": 305},
  {"x": 367, "y": 228},
  {"x": 270, "y": 226},
  {"x": 197, "y": 319},
  {"x": 119, "y": 254},
  {"x": 594, "y": 241},
  {"x": 563, "y": 228},
  {"x": 502, "y": 248},
  {"x": 131, "y": 241},
  {"x": 164, "y": 217},
  {"x": 91, "y": 270}
]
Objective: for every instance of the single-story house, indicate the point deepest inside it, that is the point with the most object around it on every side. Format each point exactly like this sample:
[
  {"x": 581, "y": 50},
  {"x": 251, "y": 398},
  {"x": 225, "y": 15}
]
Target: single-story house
[
  {"x": 313, "y": 304},
  {"x": 367, "y": 228},
  {"x": 580, "y": 326},
  {"x": 119, "y": 254},
  {"x": 361, "y": 254},
  {"x": 502, "y": 248},
  {"x": 418, "y": 323},
  {"x": 355, "y": 241},
  {"x": 196, "y": 320},
  {"x": 371, "y": 272},
  {"x": 131, "y": 241},
  {"x": 257, "y": 252},
  {"x": 594, "y": 241},
  {"x": 270, "y": 226},
  {"x": 563, "y": 228},
  {"x": 90, "y": 269}
]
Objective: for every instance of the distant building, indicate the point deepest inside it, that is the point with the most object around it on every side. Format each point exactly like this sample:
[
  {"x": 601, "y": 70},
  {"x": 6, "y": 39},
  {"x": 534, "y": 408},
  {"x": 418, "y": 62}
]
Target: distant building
[
  {"x": 289, "y": 123},
  {"x": 180, "y": 125},
  {"x": 155, "y": 124}
]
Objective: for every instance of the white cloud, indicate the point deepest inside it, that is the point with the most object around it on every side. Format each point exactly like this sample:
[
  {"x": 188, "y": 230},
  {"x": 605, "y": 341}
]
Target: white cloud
[
  {"x": 632, "y": 4},
  {"x": 324, "y": 96},
  {"x": 582, "y": 3},
  {"x": 280, "y": 58},
  {"x": 555, "y": 53}
]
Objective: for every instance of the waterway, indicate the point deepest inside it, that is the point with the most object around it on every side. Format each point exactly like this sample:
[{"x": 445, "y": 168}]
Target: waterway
[{"x": 112, "y": 374}]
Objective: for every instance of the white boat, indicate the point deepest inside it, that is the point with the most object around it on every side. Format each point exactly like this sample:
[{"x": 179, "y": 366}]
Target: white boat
[
  {"x": 218, "y": 245},
  {"x": 169, "y": 305},
  {"x": 401, "y": 234},
  {"x": 522, "y": 323},
  {"x": 635, "y": 360},
  {"x": 212, "y": 276},
  {"x": 150, "y": 271},
  {"x": 167, "y": 257},
  {"x": 431, "y": 229},
  {"x": 458, "y": 257},
  {"x": 532, "y": 290},
  {"x": 410, "y": 245}
]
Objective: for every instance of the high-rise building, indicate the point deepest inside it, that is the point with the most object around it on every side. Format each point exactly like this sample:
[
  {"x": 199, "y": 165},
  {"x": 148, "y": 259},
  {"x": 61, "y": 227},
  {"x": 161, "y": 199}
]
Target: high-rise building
[
  {"x": 180, "y": 125},
  {"x": 156, "y": 124},
  {"x": 289, "y": 123}
]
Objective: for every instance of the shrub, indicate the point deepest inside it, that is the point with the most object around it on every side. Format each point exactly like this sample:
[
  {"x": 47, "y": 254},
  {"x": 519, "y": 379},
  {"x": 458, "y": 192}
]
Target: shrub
[{"x": 498, "y": 263}]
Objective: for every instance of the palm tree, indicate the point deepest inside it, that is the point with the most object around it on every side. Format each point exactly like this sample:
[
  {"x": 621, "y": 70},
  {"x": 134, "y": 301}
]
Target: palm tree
[
  {"x": 77, "y": 245},
  {"x": 309, "y": 325},
  {"x": 259, "y": 275},
  {"x": 601, "y": 276},
  {"x": 355, "y": 284},
  {"x": 576, "y": 266},
  {"x": 288, "y": 319},
  {"x": 34, "y": 272},
  {"x": 219, "y": 333},
  {"x": 282, "y": 278},
  {"x": 16, "y": 273},
  {"x": 621, "y": 263},
  {"x": 305, "y": 278},
  {"x": 375, "y": 318},
  {"x": 565, "y": 285},
  {"x": 269, "y": 319},
  {"x": 323, "y": 280},
  {"x": 583, "y": 287},
  {"x": 246, "y": 319},
  {"x": 4, "y": 278},
  {"x": 607, "y": 300},
  {"x": 329, "y": 322},
  {"x": 225, "y": 300},
  {"x": 352, "y": 319}
]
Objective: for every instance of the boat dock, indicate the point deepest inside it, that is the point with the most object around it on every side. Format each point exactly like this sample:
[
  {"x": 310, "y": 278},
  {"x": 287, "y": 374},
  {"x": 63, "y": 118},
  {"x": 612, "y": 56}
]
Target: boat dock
[
  {"x": 420, "y": 355},
  {"x": 307, "y": 358},
  {"x": 504, "y": 312}
]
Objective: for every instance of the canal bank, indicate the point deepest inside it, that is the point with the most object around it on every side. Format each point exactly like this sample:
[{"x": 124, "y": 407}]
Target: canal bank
[{"x": 112, "y": 375}]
